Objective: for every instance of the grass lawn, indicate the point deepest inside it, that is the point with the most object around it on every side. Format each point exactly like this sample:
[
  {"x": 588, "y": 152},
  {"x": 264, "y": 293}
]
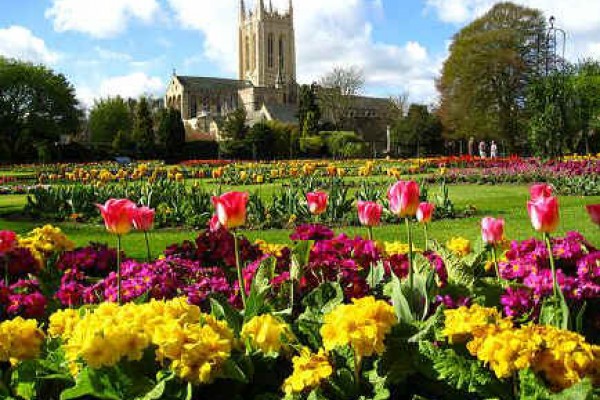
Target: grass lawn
[{"x": 505, "y": 201}]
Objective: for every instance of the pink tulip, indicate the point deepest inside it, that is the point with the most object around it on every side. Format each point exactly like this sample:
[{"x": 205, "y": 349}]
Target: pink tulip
[
  {"x": 369, "y": 213},
  {"x": 118, "y": 215},
  {"x": 231, "y": 209},
  {"x": 214, "y": 224},
  {"x": 404, "y": 198},
  {"x": 492, "y": 230},
  {"x": 143, "y": 218},
  {"x": 594, "y": 211},
  {"x": 425, "y": 212},
  {"x": 8, "y": 240},
  {"x": 540, "y": 190},
  {"x": 544, "y": 214},
  {"x": 317, "y": 202}
]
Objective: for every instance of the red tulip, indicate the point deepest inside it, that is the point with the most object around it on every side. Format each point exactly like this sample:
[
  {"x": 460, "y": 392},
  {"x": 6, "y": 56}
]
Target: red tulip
[
  {"x": 143, "y": 218},
  {"x": 540, "y": 190},
  {"x": 594, "y": 211},
  {"x": 369, "y": 213},
  {"x": 231, "y": 209},
  {"x": 425, "y": 212},
  {"x": 404, "y": 198},
  {"x": 317, "y": 202},
  {"x": 543, "y": 213},
  {"x": 492, "y": 230},
  {"x": 118, "y": 215},
  {"x": 8, "y": 240},
  {"x": 214, "y": 224}
]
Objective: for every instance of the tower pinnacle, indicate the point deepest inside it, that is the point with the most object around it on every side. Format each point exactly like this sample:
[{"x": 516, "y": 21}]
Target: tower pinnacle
[{"x": 242, "y": 10}]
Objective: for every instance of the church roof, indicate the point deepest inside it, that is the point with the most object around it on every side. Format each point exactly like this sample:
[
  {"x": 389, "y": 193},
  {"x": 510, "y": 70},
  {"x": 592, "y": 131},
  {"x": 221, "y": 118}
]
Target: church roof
[
  {"x": 206, "y": 83},
  {"x": 287, "y": 113}
]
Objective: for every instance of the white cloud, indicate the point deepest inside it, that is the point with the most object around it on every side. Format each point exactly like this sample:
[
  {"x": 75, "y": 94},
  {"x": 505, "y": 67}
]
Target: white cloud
[
  {"x": 20, "y": 43},
  {"x": 99, "y": 18},
  {"x": 132, "y": 85},
  {"x": 328, "y": 33},
  {"x": 110, "y": 55},
  {"x": 580, "y": 18}
]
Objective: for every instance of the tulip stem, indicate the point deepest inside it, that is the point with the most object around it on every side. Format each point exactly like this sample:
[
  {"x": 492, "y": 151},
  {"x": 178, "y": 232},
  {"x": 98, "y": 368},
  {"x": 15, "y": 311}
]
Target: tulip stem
[
  {"x": 238, "y": 265},
  {"x": 555, "y": 287},
  {"x": 426, "y": 237},
  {"x": 148, "y": 252},
  {"x": 410, "y": 259},
  {"x": 119, "y": 269},
  {"x": 357, "y": 368},
  {"x": 370, "y": 230},
  {"x": 495, "y": 261}
]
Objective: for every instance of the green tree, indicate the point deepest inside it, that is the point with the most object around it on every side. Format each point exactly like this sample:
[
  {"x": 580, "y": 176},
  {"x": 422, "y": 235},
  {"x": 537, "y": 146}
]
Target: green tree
[
  {"x": 484, "y": 80},
  {"x": 171, "y": 132},
  {"x": 143, "y": 130},
  {"x": 121, "y": 143},
  {"x": 586, "y": 85},
  {"x": 419, "y": 131},
  {"x": 37, "y": 106},
  {"x": 309, "y": 113},
  {"x": 107, "y": 117},
  {"x": 233, "y": 134},
  {"x": 553, "y": 123},
  {"x": 261, "y": 140}
]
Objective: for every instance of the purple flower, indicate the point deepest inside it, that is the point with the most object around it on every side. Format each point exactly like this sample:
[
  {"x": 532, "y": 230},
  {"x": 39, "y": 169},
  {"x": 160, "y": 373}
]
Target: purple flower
[{"x": 315, "y": 232}]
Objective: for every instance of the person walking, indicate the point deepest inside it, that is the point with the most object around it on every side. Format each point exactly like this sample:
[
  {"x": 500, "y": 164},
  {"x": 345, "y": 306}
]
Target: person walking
[
  {"x": 471, "y": 146},
  {"x": 494, "y": 150},
  {"x": 482, "y": 149}
]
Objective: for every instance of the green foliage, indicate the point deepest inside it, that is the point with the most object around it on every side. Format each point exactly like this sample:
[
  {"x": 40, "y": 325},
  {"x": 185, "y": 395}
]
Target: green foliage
[
  {"x": 261, "y": 138},
  {"x": 37, "y": 106},
  {"x": 107, "y": 117},
  {"x": 491, "y": 62},
  {"x": 121, "y": 143},
  {"x": 344, "y": 144},
  {"x": 420, "y": 131},
  {"x": 233, "y": 132},
  {"x": 311, "y": 145},
  {"x": 460, "y": 372},
  {"x": 309, "y": 112},
  {"x": 551, "y": 104},
  {"x": 171, "y": 131},
  {"x": 143, "y": 129}
]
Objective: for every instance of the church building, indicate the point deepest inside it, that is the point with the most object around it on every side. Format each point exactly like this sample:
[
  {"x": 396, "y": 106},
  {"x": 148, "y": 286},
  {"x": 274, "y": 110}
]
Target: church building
[{"x": 266, "y": 86}]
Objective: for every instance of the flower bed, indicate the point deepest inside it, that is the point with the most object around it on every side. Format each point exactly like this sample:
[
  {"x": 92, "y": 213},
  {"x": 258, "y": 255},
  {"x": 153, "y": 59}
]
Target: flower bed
[{"x": 329, "y": 317}]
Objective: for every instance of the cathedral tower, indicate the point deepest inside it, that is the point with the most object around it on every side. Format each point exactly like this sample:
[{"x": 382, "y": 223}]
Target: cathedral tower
[{"x": 267, "y": 51}]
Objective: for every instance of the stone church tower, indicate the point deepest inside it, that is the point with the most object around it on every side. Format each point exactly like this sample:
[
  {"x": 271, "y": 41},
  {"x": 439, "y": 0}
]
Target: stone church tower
[{"x": 267, "y": 51}]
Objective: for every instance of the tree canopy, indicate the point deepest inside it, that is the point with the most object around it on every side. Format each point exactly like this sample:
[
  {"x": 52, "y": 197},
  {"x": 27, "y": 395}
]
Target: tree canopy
[
  {"x": 107, "y": 117},
  {"x": 37, "y": 106},
  {"x": 484, "y": 80}
]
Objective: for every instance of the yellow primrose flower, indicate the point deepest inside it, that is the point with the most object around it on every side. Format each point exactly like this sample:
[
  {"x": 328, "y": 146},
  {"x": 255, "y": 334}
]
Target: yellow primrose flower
[
  {"x": 267, "y": 334},
  {"x": 309, "y": 371},
  {"x": 20, "y": 339},
  {"x": 459, "y": 246},
  {"x": 363, "y": 325}
]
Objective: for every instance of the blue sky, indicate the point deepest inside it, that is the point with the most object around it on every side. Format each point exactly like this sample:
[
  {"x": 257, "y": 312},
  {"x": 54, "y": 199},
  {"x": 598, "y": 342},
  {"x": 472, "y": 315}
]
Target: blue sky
[{"x": 130, "y": 47}]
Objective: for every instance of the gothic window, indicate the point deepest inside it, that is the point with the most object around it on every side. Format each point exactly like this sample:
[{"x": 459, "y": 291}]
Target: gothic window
[
  {"x": 247, "y": 53},
  {"x": 193, "y": 107},
  {"x": 270, "y": 49},
  {"x": 281, "y": 54}
]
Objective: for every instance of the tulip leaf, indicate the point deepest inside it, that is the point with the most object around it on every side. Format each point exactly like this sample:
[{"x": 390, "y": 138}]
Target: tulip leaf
[
  {"x": 221, "y": 309},
  {"x": 400, "y": 302}
]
